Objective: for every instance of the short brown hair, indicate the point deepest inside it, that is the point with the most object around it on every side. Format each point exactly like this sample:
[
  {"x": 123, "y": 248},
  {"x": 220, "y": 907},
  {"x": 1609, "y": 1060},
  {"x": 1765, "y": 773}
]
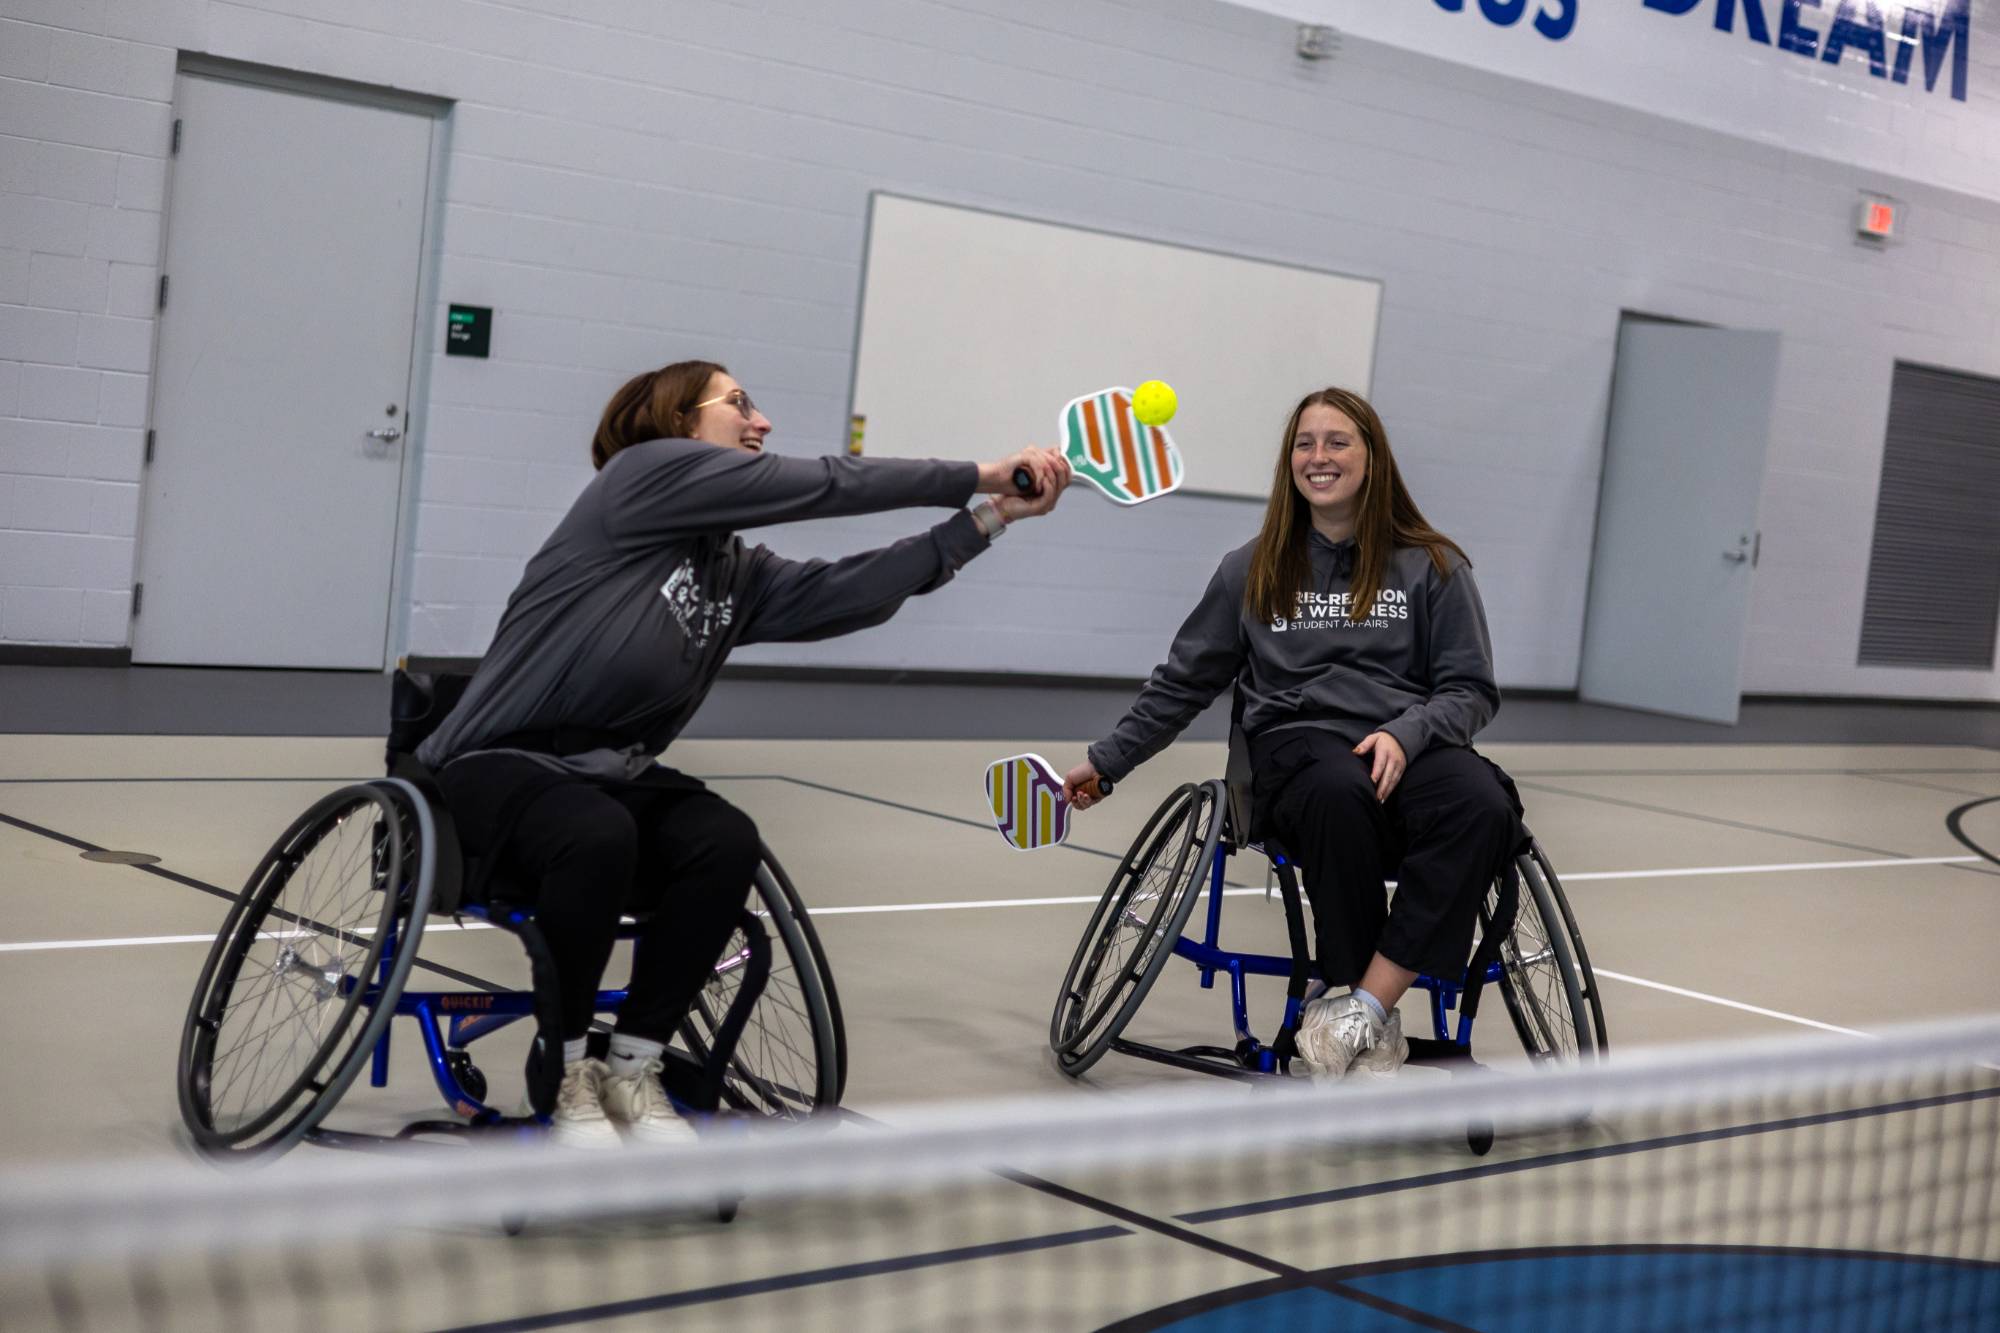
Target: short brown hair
[
  {"x": 657, "y": 405},
  {"x": 1385, "y": 518}
]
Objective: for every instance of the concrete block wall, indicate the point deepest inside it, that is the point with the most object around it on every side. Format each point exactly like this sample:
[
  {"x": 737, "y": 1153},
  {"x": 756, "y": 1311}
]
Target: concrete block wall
[{"x": 632, "y": 183}]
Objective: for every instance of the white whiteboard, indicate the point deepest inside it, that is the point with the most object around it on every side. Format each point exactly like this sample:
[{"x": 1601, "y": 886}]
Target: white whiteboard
[{"x": 976, "y": 329}]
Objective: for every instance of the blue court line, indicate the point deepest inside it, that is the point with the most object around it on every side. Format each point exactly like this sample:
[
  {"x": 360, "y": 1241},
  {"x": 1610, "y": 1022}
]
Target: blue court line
[
  {"x": 1317, "y": 1197},
  {"x": 791, "y": 1281}
]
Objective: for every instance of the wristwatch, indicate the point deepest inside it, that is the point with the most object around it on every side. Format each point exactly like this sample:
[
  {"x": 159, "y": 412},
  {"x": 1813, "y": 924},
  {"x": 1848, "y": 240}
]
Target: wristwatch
[{"x": 987, "y": 516}]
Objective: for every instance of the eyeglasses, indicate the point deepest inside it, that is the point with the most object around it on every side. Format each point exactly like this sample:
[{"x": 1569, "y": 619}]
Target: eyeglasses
[{"x": 737, "y": 399}]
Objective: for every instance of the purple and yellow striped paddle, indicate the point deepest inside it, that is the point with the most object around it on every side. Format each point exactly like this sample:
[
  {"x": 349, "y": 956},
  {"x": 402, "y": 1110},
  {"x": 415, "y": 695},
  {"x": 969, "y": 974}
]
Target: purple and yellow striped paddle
[{"x": 1024, "y": 792}]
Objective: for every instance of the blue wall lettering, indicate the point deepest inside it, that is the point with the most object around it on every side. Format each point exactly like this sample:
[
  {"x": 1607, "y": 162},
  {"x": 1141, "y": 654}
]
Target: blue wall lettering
[
  {"x": 1949, "y": 28},
  {"x": 1866, "y": 34},
  {"x": 1553, "y": 18},
  {"x": 1942, "y": 29},
  {"x": 1753, "y": 19},
  {"x": 1796, "y": 36},
  {"x": 1557, "y": 26}
]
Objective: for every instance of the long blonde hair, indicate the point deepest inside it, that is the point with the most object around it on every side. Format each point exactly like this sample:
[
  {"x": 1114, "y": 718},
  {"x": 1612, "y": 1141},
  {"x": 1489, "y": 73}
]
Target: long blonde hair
[{"x": 1385, "y": 518}]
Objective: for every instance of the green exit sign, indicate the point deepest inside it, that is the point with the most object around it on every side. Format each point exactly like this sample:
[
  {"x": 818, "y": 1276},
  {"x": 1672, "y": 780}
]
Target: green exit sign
[{"x": 468, "y": 330}]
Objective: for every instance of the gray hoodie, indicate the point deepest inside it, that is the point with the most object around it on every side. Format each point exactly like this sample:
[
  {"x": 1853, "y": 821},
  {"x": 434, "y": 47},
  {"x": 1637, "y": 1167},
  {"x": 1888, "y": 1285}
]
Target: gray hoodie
[
  {"x": 1420, "y": 667},
  {"x": 622, "y": 619}
]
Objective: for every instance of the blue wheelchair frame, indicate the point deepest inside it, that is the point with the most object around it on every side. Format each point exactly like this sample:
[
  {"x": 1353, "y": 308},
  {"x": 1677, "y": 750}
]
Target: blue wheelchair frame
[
  {"x": 1251, "y": 1056},
  {"x": 451, "y": 1021}
]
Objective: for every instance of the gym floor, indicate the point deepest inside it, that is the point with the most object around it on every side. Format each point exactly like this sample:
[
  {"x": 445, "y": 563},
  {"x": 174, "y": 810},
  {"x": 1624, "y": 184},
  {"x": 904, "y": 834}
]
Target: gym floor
[{"x": 1806, "y": 883}]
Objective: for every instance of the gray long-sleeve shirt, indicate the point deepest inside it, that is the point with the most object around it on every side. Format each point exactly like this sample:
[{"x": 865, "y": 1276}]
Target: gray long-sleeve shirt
[
  {"x": 621, "y": 621},
  {"x": 1419, "y": 667}
]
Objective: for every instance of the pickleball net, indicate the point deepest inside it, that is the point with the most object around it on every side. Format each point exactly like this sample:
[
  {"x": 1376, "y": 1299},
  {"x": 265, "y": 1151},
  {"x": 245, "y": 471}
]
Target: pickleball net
[{"x": 1809, "y": 1184}]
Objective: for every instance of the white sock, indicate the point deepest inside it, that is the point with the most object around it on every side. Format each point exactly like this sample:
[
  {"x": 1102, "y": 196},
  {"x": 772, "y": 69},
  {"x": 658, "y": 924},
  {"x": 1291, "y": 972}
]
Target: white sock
[
  {"x": 630, "y": 1054},
  {"x": 1374, "y": 1005},
  {"x": 575, "y": 1050}
]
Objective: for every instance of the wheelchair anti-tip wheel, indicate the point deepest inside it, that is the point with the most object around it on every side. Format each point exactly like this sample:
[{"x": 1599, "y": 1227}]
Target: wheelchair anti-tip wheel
[
  {"x": 791, "y": 1059},
  {"x": 1545, "y": 977},
  {"x": 290, "y": 1001},
  {"x": 1132, "y": 932}
]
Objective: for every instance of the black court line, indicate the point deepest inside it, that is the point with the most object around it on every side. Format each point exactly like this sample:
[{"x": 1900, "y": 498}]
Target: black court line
[
  {"x": 893, "y": 805},
  {"x": 790, "y": 1281},
  {"x": 1895, "y": 780},
  {"x": 175, "y": 877},
  {"x": 1232, "y": 1298},
  {"x": 1316, "y": 1198},
  {"x": 1955, "y": 824},
  {"x": 111, "y": 782},
  {"x": 1712, "y": 819},
  {"x": 1132, "y": 1217}
]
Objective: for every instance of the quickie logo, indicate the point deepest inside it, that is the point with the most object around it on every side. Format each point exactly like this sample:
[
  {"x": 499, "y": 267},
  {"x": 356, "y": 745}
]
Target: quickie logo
[{"x": 1939, "y": 27}]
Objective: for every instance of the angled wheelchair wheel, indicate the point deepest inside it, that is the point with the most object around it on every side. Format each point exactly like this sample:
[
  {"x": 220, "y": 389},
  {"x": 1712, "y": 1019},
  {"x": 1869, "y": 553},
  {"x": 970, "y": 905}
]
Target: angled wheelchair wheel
[
  {"x": 791, "y": 1059},
  {"x": 1132, "y": 932},
  {"x": 1593, "y": 1003},
  {"x": 1545, "y": 977},
  {"x": 295, "y": 991}
]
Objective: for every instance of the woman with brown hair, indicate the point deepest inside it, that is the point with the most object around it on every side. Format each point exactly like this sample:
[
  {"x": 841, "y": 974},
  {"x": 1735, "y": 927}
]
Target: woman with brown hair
[
  {"x": 1356, "y": 640},
  {"x": 606, "y": 649}
]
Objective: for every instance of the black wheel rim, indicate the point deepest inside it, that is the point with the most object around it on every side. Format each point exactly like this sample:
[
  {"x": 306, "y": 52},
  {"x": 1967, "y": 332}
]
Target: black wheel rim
[
  {"x": 293, "y": 970},
  {"x": 1134, "y": 925},
  {"x": 783, "y": 1064},
  {"x": 1538, "y": 979}
]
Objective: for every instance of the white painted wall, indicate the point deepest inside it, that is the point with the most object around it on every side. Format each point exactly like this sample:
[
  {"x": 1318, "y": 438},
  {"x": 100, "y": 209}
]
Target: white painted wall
[
  {"x": 1749, "y": 81},
  {"x": 632, "y": 182}
]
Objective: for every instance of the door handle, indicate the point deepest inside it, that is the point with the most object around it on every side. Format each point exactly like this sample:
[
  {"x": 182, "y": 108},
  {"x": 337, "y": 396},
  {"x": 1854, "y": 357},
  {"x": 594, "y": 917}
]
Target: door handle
[
  {"x": 386, "y": 433},
  {"x": 1734, "y": 557}
]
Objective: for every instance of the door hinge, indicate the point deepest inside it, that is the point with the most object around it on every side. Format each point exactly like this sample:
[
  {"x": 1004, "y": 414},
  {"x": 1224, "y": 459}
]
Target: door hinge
[
  {"x": 149, "y": 446},
  {"x": 175, "y": 149},
  {"x": 163, "y": 291},
  {"x": 138, "y": 596}
]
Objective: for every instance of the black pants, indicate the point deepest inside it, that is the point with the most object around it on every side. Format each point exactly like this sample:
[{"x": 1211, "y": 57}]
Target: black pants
[
  {"x": 1443, "y": 833},
  {"x": 583, "y": 852}
]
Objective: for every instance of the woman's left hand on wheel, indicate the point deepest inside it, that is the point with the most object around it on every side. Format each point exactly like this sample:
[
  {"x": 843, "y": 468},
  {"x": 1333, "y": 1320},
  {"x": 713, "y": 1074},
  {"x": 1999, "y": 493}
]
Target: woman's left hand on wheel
[{"x": 1388, "y": 762}]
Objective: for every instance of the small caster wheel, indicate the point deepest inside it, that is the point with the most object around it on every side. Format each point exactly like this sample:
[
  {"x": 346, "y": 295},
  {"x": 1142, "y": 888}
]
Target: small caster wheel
[
  {"x": 514, "y": 1223},
  {"x": 1479, "y": 1138},
  {"x": 469, "y": 1075},
  {"x": 725, "y": 1209}
]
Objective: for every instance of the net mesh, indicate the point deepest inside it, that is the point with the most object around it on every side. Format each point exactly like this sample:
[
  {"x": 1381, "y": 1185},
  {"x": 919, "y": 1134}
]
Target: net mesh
[{"x": 1819, "y": 1184}]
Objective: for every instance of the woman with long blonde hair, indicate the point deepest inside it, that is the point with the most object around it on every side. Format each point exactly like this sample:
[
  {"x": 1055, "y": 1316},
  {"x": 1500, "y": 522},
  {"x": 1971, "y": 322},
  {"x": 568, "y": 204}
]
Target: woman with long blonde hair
[{"x": 1355, "y": 637}]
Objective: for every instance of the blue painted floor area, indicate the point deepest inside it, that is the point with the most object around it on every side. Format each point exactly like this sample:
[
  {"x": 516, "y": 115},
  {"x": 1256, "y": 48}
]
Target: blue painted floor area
[{"x": 1717, "y": 1291}]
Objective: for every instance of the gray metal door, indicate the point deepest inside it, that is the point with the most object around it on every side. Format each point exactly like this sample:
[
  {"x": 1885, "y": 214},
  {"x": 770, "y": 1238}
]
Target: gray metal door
[
  {"x": 1677, "y": 519},
  {"x": 268, "y": 532}
]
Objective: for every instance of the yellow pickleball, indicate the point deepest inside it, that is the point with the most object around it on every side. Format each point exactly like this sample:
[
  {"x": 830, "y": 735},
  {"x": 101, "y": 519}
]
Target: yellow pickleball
[{"x": 1154, "y": 402}]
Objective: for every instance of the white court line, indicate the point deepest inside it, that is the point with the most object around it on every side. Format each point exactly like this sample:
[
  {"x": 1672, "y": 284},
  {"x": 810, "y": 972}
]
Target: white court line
[
  {"x": 39, "y": 945},
  {"x": 1779, "y": 868},
  {"x": 1079, "y": 900},
  {"x": 1767, "y": 869},
  {"x": 1727, "y": 1003}
]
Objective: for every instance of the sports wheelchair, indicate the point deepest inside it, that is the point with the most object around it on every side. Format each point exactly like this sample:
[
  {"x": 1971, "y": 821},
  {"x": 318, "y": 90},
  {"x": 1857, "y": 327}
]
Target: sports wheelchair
[
  {"x": 1528, "y": 944},
  {"x": 314, "y": 957}
]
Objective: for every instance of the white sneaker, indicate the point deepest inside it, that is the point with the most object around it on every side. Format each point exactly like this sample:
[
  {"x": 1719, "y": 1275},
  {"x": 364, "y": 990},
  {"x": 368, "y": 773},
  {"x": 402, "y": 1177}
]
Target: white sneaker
[
  {"x": 638, "y": 1104},
  {"x": 579, "y": 1119},
  {"x": 1386, "y": 1056},
  {"x": 1334, "y": 1032}
]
